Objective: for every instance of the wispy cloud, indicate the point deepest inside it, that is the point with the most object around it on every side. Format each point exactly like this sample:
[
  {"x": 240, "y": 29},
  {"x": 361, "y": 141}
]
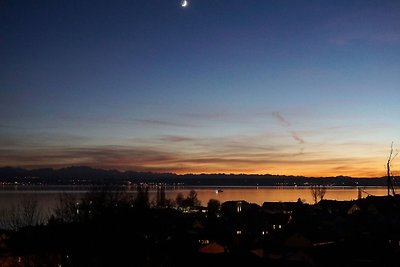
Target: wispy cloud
[
  {"x": 222, "y": 158},
  {"x": 280, "y": 118},
  {"x": 208, "y": 115},
  {"x": 164, "y": 123},
  {"x": 297, "y": 138},
  {"x": 384, "y": 38},
  {"x": 40, "y": 140},
  {"x": 121, "y": 157},
  {"x": 175, "y": 138},
  {"x": 284, "y": 122},
  {"x": 12, "y": 127}
]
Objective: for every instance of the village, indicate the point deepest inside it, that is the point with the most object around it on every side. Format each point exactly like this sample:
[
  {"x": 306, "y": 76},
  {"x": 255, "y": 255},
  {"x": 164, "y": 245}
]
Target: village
[{"x": 107, "y": 229}]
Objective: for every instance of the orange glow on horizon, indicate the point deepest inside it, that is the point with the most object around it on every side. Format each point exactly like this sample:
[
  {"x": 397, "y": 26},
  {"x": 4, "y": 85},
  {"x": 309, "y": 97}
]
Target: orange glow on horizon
[
  {"x": 356, "y": 173},
  {"x": 285, "y": 162}
]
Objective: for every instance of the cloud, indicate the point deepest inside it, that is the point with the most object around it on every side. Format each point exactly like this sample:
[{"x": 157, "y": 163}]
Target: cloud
[
  {"x": 384, "y": 38},
  {"x": 175, "y": 138},
  {"x": 228, "y": 154},
  {"x": 40, "y": 139},
  {"x": 12, "y": 127},
  {"x": 209, "y": 115},
  {"x": 121, "y": 157},
  {"x": 164, "y": 123},
  {"x": 286, "y": 123},
  {"x": 297, "y": 138},
  {"x": 280, "y": 118}
]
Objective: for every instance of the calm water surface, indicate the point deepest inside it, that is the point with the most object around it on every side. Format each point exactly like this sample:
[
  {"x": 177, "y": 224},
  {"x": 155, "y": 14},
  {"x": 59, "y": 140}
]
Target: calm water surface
[{"x": 47, "y": 196}]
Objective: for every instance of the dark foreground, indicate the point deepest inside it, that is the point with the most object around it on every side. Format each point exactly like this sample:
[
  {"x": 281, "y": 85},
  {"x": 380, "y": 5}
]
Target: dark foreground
[{"x": 105, "y": 230}]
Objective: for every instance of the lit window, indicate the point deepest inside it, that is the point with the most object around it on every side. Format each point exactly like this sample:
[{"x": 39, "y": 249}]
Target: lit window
[
  {"x": 238, "y": 232},
  {"x": 239, "y": 207}
]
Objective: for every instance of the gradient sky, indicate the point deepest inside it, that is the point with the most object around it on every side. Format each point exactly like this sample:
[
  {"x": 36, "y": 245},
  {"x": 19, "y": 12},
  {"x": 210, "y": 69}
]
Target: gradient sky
[{"x": 236, "y": 86}]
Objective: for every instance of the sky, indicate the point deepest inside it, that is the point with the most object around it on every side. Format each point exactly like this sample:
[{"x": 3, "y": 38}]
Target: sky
[{"x": 220, "y": 86}]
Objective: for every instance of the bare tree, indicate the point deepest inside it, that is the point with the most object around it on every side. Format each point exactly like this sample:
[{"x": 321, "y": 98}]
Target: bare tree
[
  {"x": 389, "y": 174},
  {"x": 67, "y": 209},
  {"x": 94, "y": 204},
  {"x": 25, "y": 213},
  {"x": 317, "y": 192}
]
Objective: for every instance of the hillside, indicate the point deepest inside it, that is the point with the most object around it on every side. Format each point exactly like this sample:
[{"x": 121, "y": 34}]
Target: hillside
[{"x": 88, "y": 175}]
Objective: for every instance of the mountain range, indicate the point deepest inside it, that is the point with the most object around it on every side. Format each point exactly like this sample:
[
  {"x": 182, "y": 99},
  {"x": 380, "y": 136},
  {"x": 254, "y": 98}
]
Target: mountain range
[{"x": 89, "y": 175}]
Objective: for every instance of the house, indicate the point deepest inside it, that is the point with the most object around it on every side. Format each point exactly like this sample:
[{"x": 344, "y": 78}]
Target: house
[{"x": 212, "y": 248}]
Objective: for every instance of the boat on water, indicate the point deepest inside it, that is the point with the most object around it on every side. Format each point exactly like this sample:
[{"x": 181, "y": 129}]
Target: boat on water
[{"x": 219, "y": 191}]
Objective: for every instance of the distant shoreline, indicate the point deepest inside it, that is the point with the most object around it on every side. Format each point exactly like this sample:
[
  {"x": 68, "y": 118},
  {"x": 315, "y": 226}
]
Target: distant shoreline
[
  {"x": 91, "y": 176},
  {"x": 153, "y": 187}
]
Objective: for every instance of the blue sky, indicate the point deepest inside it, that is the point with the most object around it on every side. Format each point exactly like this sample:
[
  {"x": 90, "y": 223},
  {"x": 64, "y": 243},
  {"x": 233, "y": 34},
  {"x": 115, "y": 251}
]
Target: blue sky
[{"x": 234, "y": 86}]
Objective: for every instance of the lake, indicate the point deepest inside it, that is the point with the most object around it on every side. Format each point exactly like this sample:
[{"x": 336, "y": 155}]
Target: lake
[{"x": 47, "y": 196}]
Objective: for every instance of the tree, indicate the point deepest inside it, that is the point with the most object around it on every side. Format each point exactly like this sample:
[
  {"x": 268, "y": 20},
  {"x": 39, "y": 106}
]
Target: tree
[
  {"x": 93, "y": 205},
  {"x": 191, "y": 200},
  {"x": 66, "y": 209},
  {"x": 317, "y": 192},
  {"x": 213, "y": 206},
  {"x": 179, "y": 200},
  {"x": 25, "y": 213},
  {"x": 389, "y": 174},
  {"x": 161, "y": 199},
  {"x": 142, "y": 197}
]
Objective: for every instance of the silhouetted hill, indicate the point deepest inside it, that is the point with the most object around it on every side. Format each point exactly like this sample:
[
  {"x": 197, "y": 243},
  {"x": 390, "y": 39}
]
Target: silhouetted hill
[{"x": 88, "y": 175}]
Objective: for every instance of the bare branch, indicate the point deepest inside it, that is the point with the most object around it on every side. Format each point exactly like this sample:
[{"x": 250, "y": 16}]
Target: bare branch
[
  {"x": 317, "y": 192},
  {"x": 390, "y": 186}
]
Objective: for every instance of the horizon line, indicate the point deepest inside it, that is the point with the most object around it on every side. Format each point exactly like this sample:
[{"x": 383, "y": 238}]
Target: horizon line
[{"x": 193, "y": 173}]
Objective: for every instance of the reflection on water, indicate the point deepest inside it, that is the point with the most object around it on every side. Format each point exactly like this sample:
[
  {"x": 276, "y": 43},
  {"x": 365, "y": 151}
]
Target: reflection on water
[
  {"x": 259, "y": 195},
  {"x": 47, "y": 196}
]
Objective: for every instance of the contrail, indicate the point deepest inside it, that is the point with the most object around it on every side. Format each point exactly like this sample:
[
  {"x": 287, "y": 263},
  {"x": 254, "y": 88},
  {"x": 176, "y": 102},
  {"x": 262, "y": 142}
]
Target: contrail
[{"x": 280, "y": 118}]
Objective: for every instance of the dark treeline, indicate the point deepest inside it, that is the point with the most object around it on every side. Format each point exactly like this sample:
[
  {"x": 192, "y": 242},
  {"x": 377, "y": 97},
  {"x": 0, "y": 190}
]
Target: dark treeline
[
  {"x": 106, "y": 227},
  {"x": 111, "y": 228},
  {"x": 87, "y": 175}
]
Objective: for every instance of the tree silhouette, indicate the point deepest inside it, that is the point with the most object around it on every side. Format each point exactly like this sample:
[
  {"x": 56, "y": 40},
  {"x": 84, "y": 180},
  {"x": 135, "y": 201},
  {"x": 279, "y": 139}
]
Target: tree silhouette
[
  {"x": 25, "y": 213},
  {"x": 213, "y": 206},
  {"x": 390, "y": 186},
  {"x": 66, "y": 208},
  {"x": 179, "y": 200},
  {"x": 142, "y": 197},
  {"x": 317, "y": 192},
  {"x": 161, "y": 199},
  {"x": 191, "y": 200}
]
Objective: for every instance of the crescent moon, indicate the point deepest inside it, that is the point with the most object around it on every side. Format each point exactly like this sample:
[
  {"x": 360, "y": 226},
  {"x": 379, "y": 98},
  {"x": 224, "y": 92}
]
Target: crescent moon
[{"x": 184, "y": 3}]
